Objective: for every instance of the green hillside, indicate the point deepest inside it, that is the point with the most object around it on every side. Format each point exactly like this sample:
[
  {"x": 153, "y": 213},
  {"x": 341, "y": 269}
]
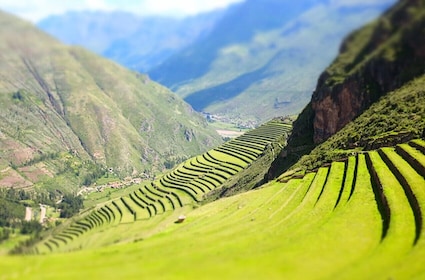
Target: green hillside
[
  {"x": 351, "y": 208},
  {"x": 263, "y": 58},
  {"x": 360, "y": 218},
  {"x": 65, "y": 113},
  {"x": 375, "y": 60},
  {"x": 397, "y": 117},
  {"x": 141, "y": 212},
  {"x": 370, "y": 96}
]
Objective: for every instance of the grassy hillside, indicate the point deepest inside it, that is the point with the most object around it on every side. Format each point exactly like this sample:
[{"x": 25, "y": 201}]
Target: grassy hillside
[
  {"x": 361, "y": 218},
  {"x": 263, "y": 59},
  {"x": 357, "y": 217},
  {"x": 65, "y": 111},
  {"x": 396, "y": 117},
  {"x": 375, "y": 60},
  {"x": 370, "y": 96},
  {"x": 184, "y": 187}
]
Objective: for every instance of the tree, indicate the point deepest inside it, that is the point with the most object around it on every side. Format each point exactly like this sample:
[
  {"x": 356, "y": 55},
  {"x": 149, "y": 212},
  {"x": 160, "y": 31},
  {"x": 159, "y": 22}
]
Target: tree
[
  {"x": 29, "y": 227},
  {"x": 70, "y": 205}
]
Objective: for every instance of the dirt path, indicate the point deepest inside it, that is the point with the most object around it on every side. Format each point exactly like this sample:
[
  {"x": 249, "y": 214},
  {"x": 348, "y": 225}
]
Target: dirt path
[
  {"x": 28, "y": 214},
  {"x": 229, "y": 133}
]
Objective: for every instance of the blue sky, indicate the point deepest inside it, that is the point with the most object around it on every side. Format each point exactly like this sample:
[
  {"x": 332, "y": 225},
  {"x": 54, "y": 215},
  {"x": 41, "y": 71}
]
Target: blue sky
[{"x": 35, "y": 10}]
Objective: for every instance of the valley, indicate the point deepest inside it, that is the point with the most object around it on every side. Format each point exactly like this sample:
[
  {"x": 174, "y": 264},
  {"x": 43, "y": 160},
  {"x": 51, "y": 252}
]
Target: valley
[
  {"x": 105, "y": 173},
  {"x": 249, "y": 62}
]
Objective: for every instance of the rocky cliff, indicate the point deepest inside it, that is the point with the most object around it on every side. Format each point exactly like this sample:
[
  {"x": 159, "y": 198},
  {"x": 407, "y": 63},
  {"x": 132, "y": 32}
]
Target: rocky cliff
[
  {"x": 383, "y": 56},
  {"x": 373, "y": 61}
]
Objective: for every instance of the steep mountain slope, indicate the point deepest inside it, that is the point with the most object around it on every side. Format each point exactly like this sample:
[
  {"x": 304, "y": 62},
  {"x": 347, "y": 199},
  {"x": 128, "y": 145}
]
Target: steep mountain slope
[
  {"x": 64, "y": 108},
  {"x": 139, "y": 43},
  {"x": 397, "y": 117},
  {"x": 262, "y": 58},
  {"x": 366, "y": 69},
  {"x": 385, "y": 55}
]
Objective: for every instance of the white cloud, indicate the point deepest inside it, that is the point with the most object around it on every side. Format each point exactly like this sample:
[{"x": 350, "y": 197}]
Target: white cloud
[
  {"x": 349, "y": 3},
  {"x": 184, "y": 6},
  {"x": 35, "y": 10}
]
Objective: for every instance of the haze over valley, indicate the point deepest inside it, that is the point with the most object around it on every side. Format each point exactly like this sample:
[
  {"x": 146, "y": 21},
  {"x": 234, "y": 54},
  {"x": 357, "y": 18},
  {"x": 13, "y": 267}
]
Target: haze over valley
[{"x": 220, "y": 62}]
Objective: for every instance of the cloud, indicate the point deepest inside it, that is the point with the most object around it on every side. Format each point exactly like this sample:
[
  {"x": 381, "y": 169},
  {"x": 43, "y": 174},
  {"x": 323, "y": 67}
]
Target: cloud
[
  {"x": 351, "y": 3},
  {"x": 34, "y": 10},
  {"x": 184, "y": 6}
]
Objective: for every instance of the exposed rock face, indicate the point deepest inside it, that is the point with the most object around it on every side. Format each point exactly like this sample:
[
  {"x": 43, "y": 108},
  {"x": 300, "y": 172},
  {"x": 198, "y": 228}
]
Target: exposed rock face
[
  {"x": 335, "y": 106},
  {"x": 394, "y": 55}
]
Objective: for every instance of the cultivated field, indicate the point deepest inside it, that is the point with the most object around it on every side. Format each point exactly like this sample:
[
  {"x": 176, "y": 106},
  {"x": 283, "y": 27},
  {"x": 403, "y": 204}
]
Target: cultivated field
[
  {"x": 142, "y": 212},
  {"x": 357, "y": 219}
]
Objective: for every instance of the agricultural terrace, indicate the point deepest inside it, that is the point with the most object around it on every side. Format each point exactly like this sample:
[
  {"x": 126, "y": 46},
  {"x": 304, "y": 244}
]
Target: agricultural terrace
[
  {"x": 183, "y": 187},
  {"x": 357, "y": 219}
]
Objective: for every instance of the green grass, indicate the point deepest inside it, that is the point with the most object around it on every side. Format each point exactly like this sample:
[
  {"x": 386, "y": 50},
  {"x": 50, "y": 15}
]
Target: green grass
[
  {"x": 15, "y": 238},
  {"x": 175, "y": 189},
  {"x": 415, "y": 157},
  {"x": 400, "y": 236},
  {"x": 412, "y": 183},
  {"x": 226, "y": 158},
  {"x": 348, "y": 186},
  {"x": 419, "y": 143},
  {"x": 293, "y": 230},
  {"x": 358, "y": 218},
  {"x": 396, "y": 118},
  {"x": 298, "y": 217}
]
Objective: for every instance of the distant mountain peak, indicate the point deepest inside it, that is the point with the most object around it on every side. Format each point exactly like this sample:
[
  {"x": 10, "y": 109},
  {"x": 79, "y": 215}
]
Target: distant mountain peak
[{"x": 262, "y": 51}]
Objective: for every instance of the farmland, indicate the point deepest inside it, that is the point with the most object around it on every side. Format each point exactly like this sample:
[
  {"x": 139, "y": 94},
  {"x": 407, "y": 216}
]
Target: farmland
[
  {"x": 141, "y": 212},
  {"x": 355, "y": 218},
  {"x": 338, "y": 193}
]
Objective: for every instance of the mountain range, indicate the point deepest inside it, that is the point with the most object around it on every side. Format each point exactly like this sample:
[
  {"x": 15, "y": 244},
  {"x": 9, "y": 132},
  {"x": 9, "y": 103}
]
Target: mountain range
[
  {"x": 66, "y": 114},
  {"x": 370, "y": 96},
  {"x": 137, "y": 42},
  {"x": 248, "y": 63},
  {"x": 262, "y": 59}
]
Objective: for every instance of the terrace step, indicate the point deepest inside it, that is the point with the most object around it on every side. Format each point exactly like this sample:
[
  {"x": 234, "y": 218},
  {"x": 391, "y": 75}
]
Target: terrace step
[
  {"x": 328, "y": 198},
  {"x": 418, "y": 144},
  {"x": 413, "y": 156},
  {"x": 233, "y": 154},
  {"x": 350, "y": 176},
  {"x": 412, "y": 183},
  {"x": 401, "y": 220},
  {"x": 306, "y": 199},
  {"x": 186, "y": 184}
]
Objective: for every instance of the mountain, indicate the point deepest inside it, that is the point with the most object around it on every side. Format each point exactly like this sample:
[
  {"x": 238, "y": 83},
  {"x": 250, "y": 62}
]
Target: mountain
[
  {"x": 360, "y": 216},
  {"x": 137, "y": 42},
  {"x": 262, "y": 58},
  {"x": 367, "y": 69},
  {"x": 370, "y": 96},
  {"x": 66, "y": 112}
]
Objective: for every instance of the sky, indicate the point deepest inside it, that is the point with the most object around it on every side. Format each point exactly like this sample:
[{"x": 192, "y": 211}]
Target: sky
[{"x": 35, "y": 10}]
